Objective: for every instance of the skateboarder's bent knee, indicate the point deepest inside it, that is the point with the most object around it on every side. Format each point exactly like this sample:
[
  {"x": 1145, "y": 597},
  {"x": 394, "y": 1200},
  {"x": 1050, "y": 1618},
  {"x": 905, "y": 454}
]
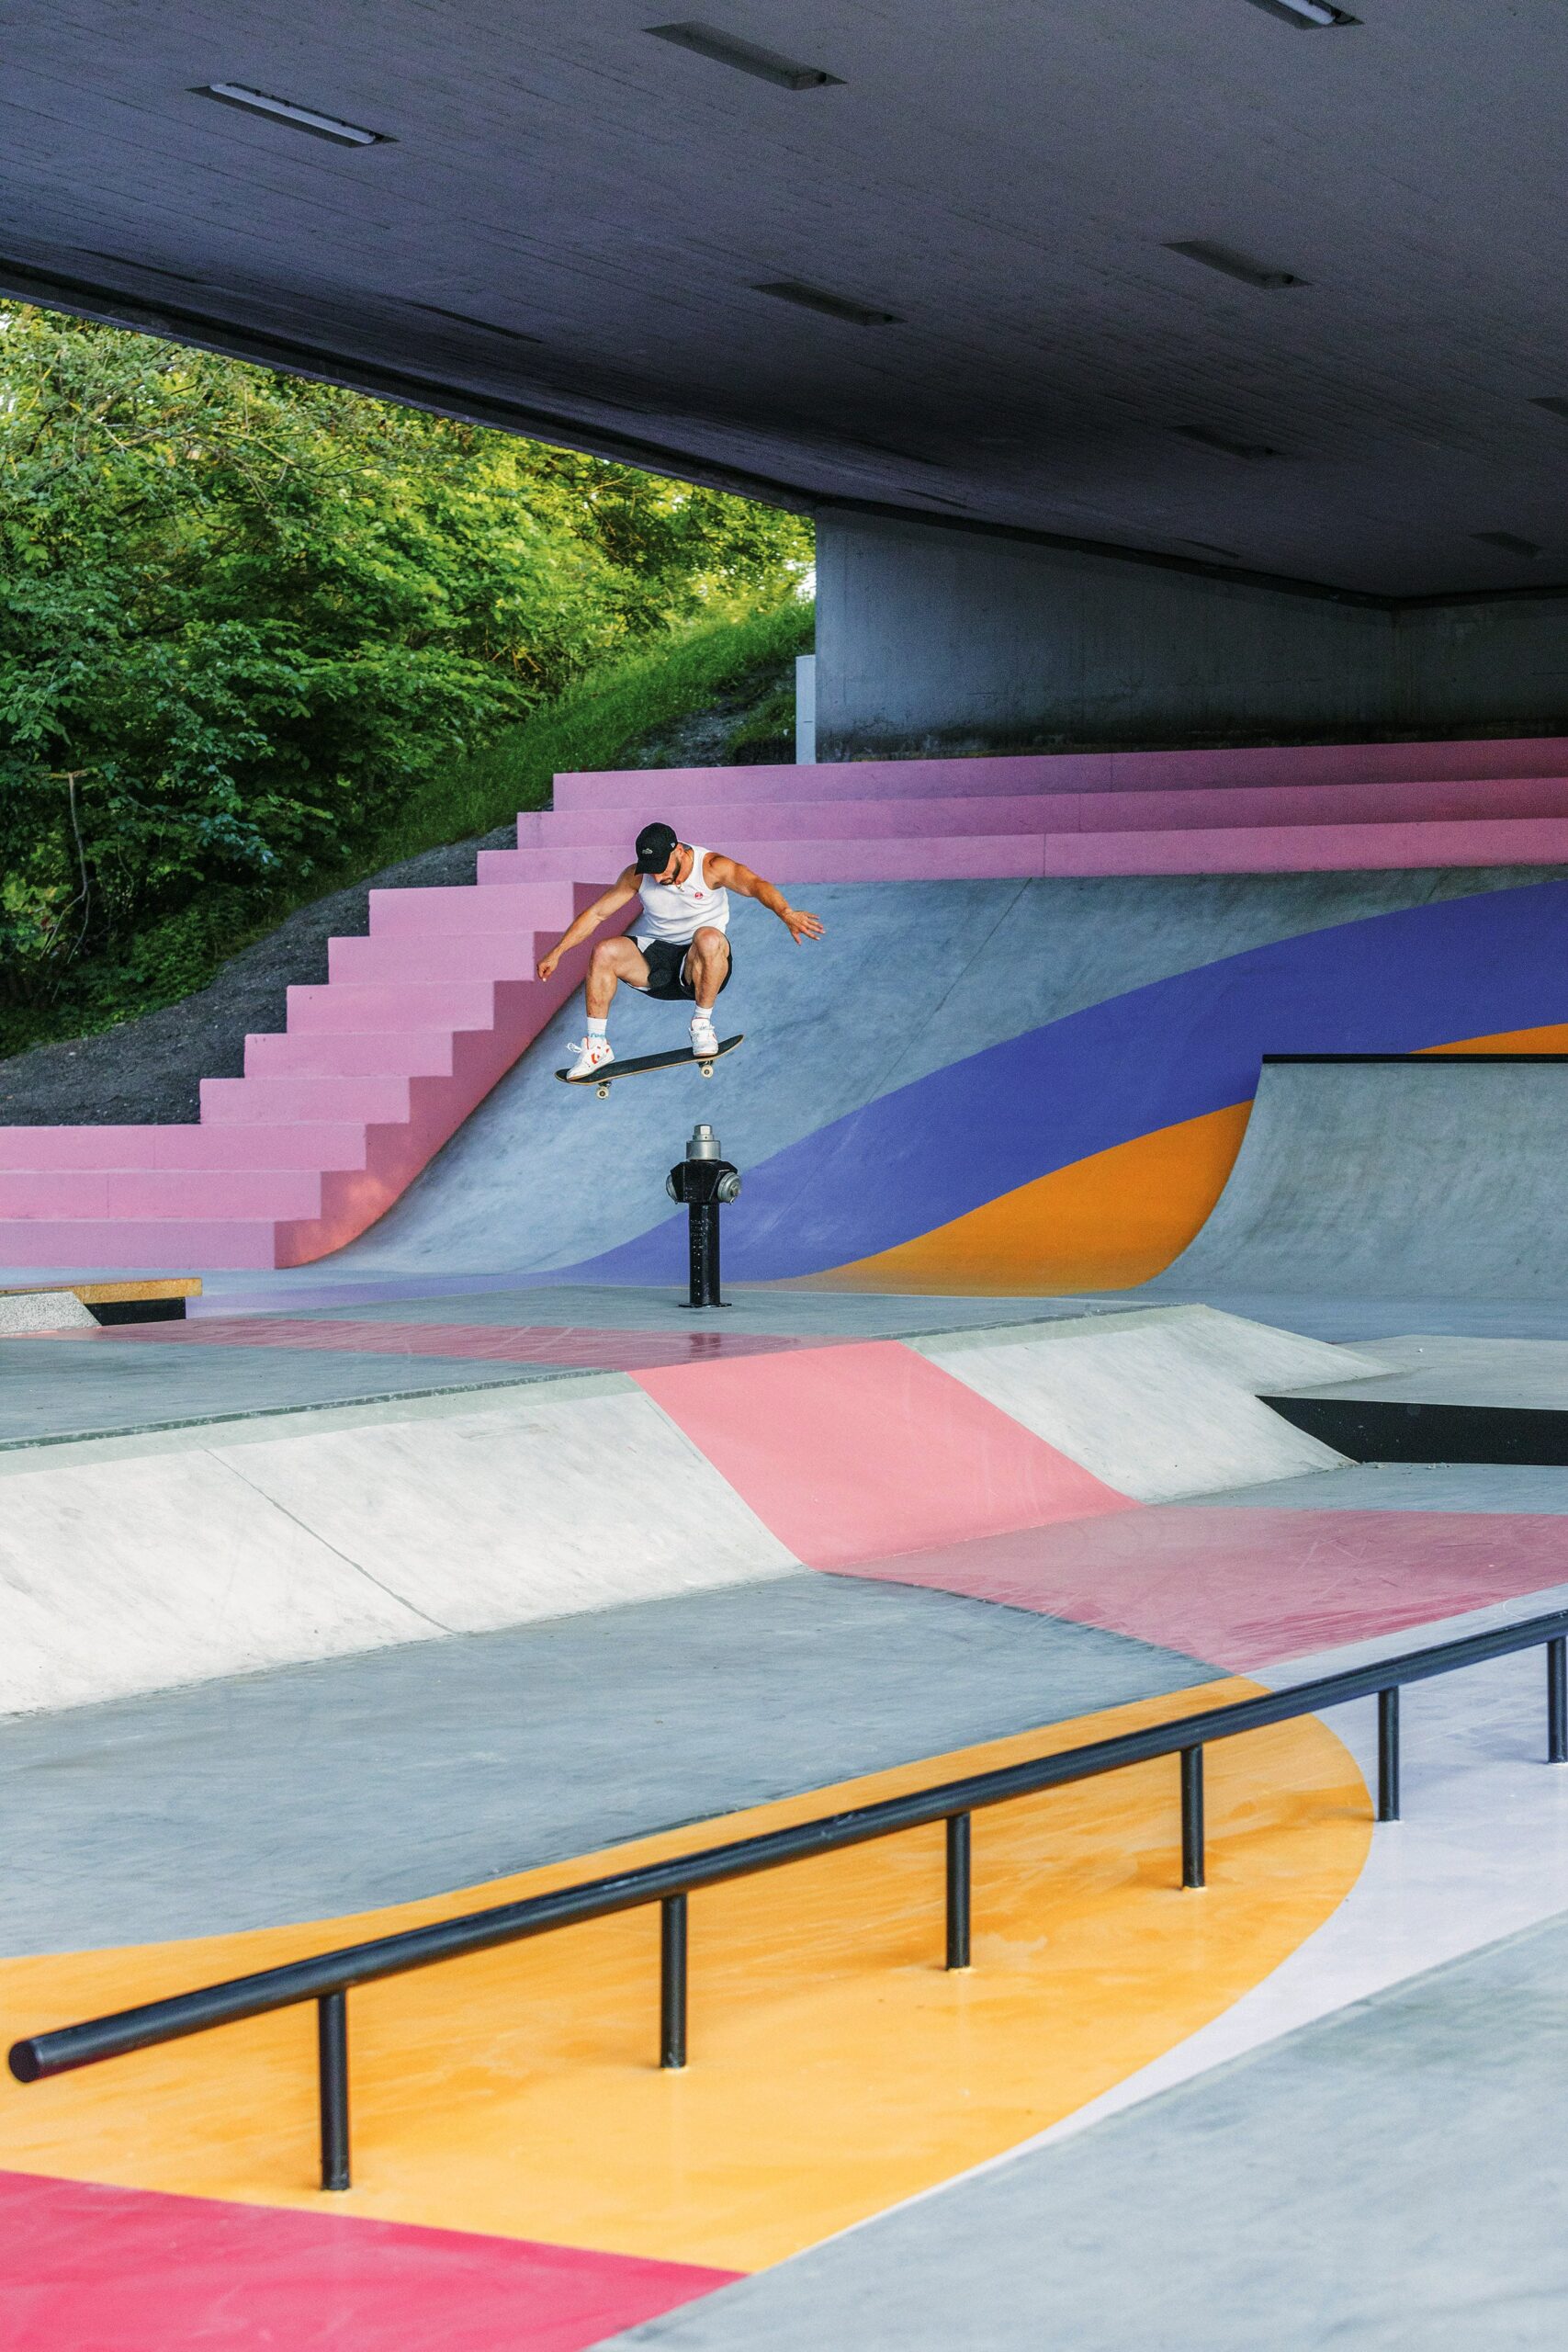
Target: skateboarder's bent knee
[{"x": 678, "y": 947}]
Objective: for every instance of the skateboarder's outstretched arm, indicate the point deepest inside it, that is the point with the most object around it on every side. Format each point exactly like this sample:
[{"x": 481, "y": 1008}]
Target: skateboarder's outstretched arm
[
  {"x": 728, "y": 873},
  {"x": 609, "y": 902}
]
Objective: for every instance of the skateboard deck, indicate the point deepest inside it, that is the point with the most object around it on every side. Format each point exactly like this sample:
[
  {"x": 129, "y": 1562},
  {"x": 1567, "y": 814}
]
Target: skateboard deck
[{"x": 601, "y": 1080}]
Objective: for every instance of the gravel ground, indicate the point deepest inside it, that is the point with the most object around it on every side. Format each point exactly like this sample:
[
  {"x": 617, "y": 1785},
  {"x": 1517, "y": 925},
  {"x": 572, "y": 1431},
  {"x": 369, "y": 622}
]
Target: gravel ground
[{"x": 149, "y": 1071}]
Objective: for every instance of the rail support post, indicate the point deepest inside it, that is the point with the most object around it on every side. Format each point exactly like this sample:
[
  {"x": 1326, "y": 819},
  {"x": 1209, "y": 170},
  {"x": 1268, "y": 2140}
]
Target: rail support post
[
  {"x": 1192, "y": 1817},
  {"x": 1557, "y": 1700},
  {"x": 672, "y": 1982},
  {"x": 958, "y": 1890},
  {"x": 1388, "y": 1754},
  {"x": 331, "y": 2060}
]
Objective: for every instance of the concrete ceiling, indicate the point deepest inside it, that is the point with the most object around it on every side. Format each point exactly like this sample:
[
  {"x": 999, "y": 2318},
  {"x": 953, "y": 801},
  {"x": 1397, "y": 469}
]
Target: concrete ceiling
[{"x": 1005, "y": 176}]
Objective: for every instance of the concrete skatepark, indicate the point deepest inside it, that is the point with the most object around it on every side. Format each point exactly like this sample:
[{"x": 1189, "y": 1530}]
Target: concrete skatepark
[
  {"x": 458, "y": 1556},
  {"x": 1145, "y": 1288}
]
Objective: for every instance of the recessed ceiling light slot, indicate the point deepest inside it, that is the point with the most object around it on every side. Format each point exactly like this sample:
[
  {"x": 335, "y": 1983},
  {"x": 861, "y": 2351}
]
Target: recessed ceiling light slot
[
  {"x": 726, "y": 49},
  {"x": 465, "y": 319},
  {"x": 1208, "y": 439},
  {"x": 296, "y": 117},
  {"x": 1307, "y": 16},
  {"x": 1509, "y": 541},
  {"x": 832, "y": 306},
  {"x": 1231, "y": 263},
  {"x": 1553, "y": 406}
]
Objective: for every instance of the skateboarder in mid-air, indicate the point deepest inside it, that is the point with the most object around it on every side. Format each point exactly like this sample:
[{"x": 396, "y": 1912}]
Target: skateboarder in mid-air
[{"x": 678, "y": 948}]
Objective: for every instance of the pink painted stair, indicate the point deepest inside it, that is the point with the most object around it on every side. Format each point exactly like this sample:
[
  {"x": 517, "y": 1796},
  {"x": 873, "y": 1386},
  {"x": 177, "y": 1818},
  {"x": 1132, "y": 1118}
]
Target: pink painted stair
[
  {"x": 1073, "y": 772},
  {"x": 337, "y": 1114},
  {"x": 334, "y": 1116}
]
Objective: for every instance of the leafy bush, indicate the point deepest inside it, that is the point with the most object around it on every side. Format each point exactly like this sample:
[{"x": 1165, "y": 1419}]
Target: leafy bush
[
  {"x": 251, "y": 628},
  {"x": 595, "y": 723}
]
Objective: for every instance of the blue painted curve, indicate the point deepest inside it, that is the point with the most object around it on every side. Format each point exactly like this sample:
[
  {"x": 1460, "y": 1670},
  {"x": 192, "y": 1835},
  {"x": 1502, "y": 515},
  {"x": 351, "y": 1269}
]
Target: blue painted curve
[{"x": 946, "y": 1144}]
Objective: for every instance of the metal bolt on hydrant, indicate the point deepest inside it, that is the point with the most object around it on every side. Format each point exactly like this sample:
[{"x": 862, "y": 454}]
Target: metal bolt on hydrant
[{"x": 705, "y": 1182}]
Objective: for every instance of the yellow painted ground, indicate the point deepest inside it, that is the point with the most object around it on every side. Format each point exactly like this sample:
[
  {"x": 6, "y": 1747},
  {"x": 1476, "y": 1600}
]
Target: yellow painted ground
[{"x": 836, "y": 2068}]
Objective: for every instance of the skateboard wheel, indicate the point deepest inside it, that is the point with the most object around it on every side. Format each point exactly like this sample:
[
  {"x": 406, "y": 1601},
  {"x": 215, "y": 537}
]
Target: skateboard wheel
[
  {"x": 603, "y": 1091},
  {"x": 706, "y": 1068}
]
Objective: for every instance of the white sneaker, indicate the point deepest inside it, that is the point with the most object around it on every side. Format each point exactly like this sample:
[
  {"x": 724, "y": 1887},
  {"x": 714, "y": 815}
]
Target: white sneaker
[
  {"x": 704, "y": 1037},
  {"x": 591, "y": 1052}
]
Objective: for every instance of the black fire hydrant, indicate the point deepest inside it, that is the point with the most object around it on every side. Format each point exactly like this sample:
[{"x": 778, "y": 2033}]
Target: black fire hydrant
[{"x": 705, "y": 1182}]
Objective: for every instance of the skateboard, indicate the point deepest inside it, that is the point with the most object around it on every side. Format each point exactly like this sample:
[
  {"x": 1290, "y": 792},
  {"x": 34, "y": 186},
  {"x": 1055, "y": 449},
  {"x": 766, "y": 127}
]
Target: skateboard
[{"x": 601, "y": 1080}]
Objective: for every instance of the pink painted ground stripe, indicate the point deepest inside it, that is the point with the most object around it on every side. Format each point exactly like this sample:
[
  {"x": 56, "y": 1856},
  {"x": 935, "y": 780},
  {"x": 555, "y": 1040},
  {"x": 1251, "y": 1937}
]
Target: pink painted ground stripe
[
  {"x": 481, "y": 1342},
  {"x": 850, "y": 1453},
  {"x": 1244, "y": 1586},
  {"x": 93, "y": 2269}
]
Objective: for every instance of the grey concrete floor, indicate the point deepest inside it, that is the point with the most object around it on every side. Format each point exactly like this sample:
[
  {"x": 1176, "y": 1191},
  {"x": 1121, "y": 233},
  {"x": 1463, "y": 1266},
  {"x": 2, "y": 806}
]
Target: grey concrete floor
[
  {"x": 56, "y": 1388},
  {"x": 317, "y": 1790},
  {"x": 1353, "y": 1317},
  {"x": 1441, "y": 1369},
  {"x": 766, "y": 1308},
  {"x": 53, "y": 1389},
  {"x": 1392, "y": 2178},
  {"x": 1503, "y": 1486}
]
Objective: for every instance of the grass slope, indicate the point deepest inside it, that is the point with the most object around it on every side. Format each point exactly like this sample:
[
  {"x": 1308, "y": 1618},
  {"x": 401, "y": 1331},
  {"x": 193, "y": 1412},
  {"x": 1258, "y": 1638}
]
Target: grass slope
[
  {"x": 715, "y": 695},
  {"x": 595, "y": 723},
  {"x": 602, "y": 722}
]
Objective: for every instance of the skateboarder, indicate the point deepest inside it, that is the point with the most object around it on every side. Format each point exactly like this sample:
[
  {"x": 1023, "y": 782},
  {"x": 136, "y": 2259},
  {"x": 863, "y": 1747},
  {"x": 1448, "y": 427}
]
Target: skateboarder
[{"x": 678, "y": 948}]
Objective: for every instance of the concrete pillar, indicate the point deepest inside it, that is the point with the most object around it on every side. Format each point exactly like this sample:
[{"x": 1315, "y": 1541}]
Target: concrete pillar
[
  {"x": 933, "y": 640},
  {"x": 805, "y": 710}
]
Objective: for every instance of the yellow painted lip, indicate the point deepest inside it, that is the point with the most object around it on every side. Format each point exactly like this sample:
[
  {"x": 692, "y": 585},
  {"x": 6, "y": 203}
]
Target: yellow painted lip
[{"x": 836, "y": 2068}]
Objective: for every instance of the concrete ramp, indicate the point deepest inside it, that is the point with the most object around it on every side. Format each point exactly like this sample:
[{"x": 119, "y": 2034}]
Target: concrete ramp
[
  {"x": 1160, "y": 1404},
  {"x": 1427, "y": 1177},
  {"x": 971, "y": 1087},
  {"x": 138, "y": 1563},
  {"x": 136, "y": 1566}
]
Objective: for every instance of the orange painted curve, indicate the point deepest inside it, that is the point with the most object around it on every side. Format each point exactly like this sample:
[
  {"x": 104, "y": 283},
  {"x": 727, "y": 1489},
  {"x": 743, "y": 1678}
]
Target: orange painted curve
[
  {"x": 1109, "y": 1222},
  {"x": 1106, "y": 1223},
  {"x": 1552, "y": 1039}
]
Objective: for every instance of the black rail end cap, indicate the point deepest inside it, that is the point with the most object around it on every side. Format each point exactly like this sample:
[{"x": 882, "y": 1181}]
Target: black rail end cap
[{"x": 24, "y": 2061}]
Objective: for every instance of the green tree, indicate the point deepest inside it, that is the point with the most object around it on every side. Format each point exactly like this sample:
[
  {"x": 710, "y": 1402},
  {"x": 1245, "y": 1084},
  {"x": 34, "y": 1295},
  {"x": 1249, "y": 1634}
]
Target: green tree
[{"x": 243, "y": 618}]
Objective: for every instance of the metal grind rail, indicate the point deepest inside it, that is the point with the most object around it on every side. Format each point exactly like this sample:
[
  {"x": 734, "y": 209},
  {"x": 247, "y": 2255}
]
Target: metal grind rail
[{"x": 329, "y": 1978}]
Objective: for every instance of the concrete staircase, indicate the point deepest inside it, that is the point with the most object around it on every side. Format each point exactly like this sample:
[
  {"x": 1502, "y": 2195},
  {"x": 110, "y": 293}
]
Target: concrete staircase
[{"x": 336, "y": 1116}]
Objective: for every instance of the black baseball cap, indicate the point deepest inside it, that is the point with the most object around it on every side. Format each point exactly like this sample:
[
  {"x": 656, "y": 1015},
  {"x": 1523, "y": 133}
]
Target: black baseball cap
[{"x": 655, "y": 847}]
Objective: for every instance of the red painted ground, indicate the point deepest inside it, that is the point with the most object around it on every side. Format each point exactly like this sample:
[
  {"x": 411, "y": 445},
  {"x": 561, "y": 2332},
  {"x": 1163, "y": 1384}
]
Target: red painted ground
[
  {"x": 1243, "y": 1588},
  {"x": 89, "y": 2269},
  {"x": 483, "y": 1342},
  {"x": 856, "y": 1452}
]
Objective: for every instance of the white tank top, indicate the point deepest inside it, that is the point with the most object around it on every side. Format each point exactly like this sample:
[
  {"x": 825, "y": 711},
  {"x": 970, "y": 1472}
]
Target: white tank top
[{"x": 678, "y": 911}]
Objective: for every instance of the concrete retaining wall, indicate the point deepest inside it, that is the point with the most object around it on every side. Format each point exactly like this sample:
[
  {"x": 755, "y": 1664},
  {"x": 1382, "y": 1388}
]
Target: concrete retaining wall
[{"x": 931, "y": 637}]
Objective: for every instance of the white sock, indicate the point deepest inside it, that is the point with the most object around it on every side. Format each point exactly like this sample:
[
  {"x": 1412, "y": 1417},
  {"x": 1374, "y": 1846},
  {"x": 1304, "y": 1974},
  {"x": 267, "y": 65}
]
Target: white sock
[
  {"x": 701, "y": 1013},
  {"x": 598, "y": 1028}
]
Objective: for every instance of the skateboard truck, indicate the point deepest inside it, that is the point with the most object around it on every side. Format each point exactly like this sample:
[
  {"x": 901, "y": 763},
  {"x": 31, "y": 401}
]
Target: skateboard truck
[{"x": 705, "y": 1182}]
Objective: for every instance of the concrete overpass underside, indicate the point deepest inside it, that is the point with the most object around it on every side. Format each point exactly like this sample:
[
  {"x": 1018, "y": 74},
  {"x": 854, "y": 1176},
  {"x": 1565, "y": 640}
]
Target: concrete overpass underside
[{"x": 1100, "y": 328}]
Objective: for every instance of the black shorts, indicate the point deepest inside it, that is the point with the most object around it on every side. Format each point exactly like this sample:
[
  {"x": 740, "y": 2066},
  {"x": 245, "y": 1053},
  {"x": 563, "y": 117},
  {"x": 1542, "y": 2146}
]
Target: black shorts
[{"x": 664, "y": 958}]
